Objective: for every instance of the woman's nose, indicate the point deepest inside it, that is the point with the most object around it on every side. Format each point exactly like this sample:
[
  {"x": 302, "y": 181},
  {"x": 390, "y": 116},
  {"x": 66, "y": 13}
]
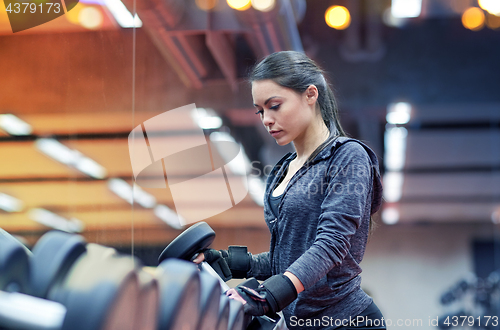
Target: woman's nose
[{"x": 267, "y": 119}]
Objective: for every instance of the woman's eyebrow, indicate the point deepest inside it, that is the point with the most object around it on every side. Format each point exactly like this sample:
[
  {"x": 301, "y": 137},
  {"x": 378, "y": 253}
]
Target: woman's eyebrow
[{"x": 267, "y": 101}]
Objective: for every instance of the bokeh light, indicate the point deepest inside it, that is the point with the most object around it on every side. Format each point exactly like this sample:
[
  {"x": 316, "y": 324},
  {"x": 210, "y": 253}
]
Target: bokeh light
[
  {"x": 473, "y": 19},
  {"x": 239, "y": 4},
  {"x": 491, "y": 6},
  {"x": 338, "y": 17},
  {"x": 493, "y": 22},
  {"x": 72, "y": 15},
  {"x": 263, "y": 5},
  {"x": 90, "y": 18},
  {"x": 206, "y": 4}
]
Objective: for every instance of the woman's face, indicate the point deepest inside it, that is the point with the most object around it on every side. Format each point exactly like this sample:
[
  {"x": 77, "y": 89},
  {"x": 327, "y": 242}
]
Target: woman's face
[{"x": 286, "y": 114}]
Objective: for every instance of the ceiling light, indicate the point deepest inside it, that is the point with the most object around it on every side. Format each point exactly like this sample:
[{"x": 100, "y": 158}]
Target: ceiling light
[
  {"x": 171, "y": 218},
  {"x": 206, "y": 118},
  {"x": 395, "y": 148},
  {"x": 70, "y": 157},
  {"x": 338, "y": 17},
  {"x": 10, "y": 204},
  {"x": 55, "y": 221},
  {"x": 491, "y": 6},
  {"x": 13, "y": 125},
  {"x": 122, "y": 15},
  {"x": 263, "y": 5},
  {"x": 131, "y": 194},
  {"x": 398, "y": 113},
  {"x": 239, "y": 4},
  {"x": 90, "y": 18},
  {"x": 393, "y": 186},
  {"x": 406, "y": 8},
  {"x": 390, "y": 215},
  {"x": 473, "y": 19}
]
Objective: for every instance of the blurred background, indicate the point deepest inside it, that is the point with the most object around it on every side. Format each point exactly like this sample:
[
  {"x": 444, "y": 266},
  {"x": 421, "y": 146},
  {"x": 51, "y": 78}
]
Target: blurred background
[{"x": 417, "y": 80}]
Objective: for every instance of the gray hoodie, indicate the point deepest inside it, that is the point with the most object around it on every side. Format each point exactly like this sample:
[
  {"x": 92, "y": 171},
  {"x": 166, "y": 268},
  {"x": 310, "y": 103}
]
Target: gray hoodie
[{"x": 321, "y": 232}]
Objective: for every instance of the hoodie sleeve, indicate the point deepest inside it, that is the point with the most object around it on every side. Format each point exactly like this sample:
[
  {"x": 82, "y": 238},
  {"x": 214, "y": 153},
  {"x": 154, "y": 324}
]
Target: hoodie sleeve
[
  {"x": 347, "y": 201},
  {"x": 260, "y": 266}
]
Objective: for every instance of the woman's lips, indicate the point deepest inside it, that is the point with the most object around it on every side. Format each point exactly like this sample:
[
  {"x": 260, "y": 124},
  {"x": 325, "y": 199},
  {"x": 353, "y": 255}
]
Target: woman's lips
[{"x": 274, "y": 133}]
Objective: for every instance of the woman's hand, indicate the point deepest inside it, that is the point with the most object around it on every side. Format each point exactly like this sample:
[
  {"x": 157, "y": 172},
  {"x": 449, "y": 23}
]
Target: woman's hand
[{"x": 199, "y": 258}]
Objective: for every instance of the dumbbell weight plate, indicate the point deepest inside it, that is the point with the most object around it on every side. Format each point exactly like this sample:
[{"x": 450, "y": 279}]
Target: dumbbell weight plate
[
  {"x": 209, "y": 302},
  {"x": 223, "y": 313},
  {"x": 53, "y": 255},
  {"x": 149, "y": 300},
  {"x": 14, "y": 266},
  {"x": 179, "y": 295},
  {"x": 100, "y": 291},
  {"x": 191, "y": 241},
  {"x": 236, "y": 315}
]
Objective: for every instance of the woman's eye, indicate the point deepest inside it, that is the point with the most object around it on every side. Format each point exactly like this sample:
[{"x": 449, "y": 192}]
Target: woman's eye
[
  {"x": 275, "y": 107},
  {"x": 259, "y": 112}
]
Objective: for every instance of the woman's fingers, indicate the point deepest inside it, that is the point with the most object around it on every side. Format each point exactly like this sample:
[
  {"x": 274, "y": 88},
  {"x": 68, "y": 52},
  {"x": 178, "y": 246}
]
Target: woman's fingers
[
  {"x": 200, "y": 258},
  {"x": 233, "y": 294}
]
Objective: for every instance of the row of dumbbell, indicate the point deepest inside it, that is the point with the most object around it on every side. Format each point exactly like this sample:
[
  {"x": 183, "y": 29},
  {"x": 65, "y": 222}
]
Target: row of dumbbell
[{"x": 66, "y": 283}]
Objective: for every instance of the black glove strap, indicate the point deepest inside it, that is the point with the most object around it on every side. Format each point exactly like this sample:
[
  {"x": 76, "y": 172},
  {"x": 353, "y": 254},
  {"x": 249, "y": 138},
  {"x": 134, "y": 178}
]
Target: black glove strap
[
  {"x": 281, "y": 292},
  {"x": 216, "y": 260},
  {"x": 239, "y": 261}
]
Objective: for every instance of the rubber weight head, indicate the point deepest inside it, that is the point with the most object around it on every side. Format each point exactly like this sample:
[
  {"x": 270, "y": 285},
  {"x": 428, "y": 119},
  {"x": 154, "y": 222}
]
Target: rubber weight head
[
  {"x": 14, "y": 267},
  {"x": 149, "y": 300},
  {"x": 101, "y": 291},
  {"x": 209, "y": 302},
  {"x": 191, "y": 241},
  {"x": 53, "y": 255},
  {"x": 179, "y": 295},
  {"x": 223, "y": 322},
  {"x": 236, "y": 315}
]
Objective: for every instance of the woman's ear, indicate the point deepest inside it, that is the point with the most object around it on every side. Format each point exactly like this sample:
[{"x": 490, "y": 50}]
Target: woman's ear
[{"x": 311, "y": 94}]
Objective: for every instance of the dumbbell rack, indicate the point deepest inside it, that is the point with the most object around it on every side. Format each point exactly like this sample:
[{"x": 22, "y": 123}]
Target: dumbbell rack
[{"x": 69, "y": 284}]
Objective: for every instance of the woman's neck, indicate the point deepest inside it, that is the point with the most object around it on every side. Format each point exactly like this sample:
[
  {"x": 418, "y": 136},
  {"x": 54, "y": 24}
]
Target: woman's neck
[{"x": 315, "y": 135}]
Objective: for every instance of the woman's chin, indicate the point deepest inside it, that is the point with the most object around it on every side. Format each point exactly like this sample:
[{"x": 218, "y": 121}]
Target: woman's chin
[{"x": 282, "y": 142}]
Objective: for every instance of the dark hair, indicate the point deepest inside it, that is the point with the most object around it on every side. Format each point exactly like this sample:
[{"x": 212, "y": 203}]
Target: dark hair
[{"x": 296, "y": 71}]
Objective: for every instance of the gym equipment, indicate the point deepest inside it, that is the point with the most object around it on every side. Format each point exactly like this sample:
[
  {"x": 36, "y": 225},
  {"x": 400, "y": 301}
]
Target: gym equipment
[
  {"x": 53, "y": 255},
  {"x": 236, "y": 315},
  {"x": 106, "y": 279},
  {"x": 91, "y": 287},
  {"x": 194, "y": 240},
  {"x": 209, "y": 302},
  {"x": 223, "y": 322},
  {"x": 179, "y": 295},
  {"x": 14, "y": 266},
  {"x": 149, "y": 301}
]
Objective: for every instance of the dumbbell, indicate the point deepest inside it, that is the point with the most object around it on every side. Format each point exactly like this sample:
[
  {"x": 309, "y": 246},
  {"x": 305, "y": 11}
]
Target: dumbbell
[
  {"x": 194, "y": 240},
  {"x": 92, "y": 288},
  {"x": 185, "y": 246},
  {"x": 14, "y": 265}
]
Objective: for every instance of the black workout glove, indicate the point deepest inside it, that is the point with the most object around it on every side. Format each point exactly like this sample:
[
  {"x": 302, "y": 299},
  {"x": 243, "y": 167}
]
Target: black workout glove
[
  {"x": 270, "y": 297},
  {"x": 233, "y": 263}
]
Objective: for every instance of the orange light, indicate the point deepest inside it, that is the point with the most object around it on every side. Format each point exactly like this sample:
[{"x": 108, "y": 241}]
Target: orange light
[
  {"x": 206, "y": 4},
  {"x": 72, "y": 15},
  {"x": 493, "y": 22},
  {"x": 239, "y": 4},
  {"x": 473, "y": 19},
  {"x": 338, "y": 17}
]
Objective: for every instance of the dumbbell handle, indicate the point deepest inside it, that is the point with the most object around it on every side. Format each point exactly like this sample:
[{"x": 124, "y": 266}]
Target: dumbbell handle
[
  {"x": 21, "y": 311},
  {"x": 206, "y": 267}
]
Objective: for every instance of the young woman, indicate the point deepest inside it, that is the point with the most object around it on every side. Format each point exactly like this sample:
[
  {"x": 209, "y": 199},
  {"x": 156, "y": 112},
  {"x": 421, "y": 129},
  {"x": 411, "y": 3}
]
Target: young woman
[{"x": 318, "y": 205}]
